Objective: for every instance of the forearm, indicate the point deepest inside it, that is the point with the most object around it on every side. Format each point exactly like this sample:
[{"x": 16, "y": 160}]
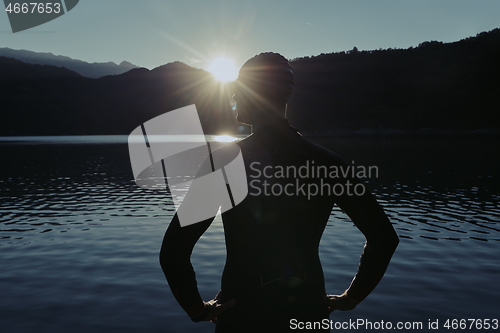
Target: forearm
[
  {"x": 381, "y": 243},
  {"x": 182, "y": 281},
  {"x": 175, "y": 255},
  {"x": 373, "y": 264}
]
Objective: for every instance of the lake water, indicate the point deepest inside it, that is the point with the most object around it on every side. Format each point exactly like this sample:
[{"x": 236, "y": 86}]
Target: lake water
[{"x": 79, "y": 240}]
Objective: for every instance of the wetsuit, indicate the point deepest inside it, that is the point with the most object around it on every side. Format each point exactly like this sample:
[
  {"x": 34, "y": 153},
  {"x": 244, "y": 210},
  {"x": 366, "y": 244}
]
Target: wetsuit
[{"x": 273, "y": 270}]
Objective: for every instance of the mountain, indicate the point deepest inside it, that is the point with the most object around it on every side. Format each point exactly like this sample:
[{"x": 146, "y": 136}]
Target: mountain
[
  {"x": 91, "y": 70},
  {"x": 435, "y": 86},
  {"x": 432, "y": 87},
  {"x": 15, "y": 71},
  {"x": 47, "y": 100}
]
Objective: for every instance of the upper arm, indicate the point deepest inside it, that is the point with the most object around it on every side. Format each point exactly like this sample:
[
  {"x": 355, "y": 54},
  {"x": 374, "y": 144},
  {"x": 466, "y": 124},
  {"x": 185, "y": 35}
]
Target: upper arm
[
  {"x": 205, "y": 195},
  {"x": 369, "y": 217},
  {"x": 364, "y": 210},
  {"x": 178, "y": 242}
]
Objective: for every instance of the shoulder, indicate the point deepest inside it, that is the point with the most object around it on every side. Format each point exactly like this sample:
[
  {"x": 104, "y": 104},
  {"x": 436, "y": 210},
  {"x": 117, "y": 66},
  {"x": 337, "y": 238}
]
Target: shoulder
[
  {"x": 246, "y": 142},
  {"x": 318, "y": 152}
]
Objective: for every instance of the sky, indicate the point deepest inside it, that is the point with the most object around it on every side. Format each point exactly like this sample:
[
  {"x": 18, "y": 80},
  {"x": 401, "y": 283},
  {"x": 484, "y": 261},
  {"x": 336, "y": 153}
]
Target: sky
[{"x": 151, "y": 33}]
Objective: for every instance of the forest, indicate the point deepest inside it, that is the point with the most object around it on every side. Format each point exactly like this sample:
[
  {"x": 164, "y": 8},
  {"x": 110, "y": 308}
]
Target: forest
[{"x": 434, "y": 86}]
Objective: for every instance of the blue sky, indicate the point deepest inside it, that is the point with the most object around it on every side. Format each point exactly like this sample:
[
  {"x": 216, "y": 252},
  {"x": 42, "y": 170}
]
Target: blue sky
[{"x": 150, "y": 33}]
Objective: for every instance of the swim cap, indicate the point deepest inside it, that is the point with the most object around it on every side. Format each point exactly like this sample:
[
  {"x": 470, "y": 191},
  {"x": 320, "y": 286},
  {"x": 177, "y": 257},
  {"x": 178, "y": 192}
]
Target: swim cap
[{"x": 268, "y": 74}]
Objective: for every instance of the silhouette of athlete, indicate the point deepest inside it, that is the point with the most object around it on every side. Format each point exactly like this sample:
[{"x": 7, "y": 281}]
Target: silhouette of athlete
[{"x": 273, "y": 273}]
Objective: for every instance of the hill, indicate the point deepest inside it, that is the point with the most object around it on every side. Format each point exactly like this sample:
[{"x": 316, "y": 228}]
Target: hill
[
  {"x": 444, "y": 86},
  {"x": 92, "y": 70},
  {"x": 47, "y": 100},
  {"x": 432, "y": 87}
]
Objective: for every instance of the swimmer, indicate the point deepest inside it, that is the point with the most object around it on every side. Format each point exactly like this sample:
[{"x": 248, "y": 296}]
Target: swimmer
[{"x": 273, "y": 272}]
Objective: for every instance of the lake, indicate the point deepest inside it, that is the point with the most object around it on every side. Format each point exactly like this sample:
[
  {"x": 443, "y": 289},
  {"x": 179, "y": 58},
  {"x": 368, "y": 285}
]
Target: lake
[{"x": 79, "y": 240}]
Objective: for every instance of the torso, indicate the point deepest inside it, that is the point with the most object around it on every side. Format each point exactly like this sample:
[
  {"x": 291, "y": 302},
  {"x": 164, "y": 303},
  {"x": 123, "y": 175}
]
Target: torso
[{"x": 272, "y": 239}]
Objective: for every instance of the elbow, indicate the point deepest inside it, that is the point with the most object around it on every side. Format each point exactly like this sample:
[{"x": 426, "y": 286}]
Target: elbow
[
  {"x": 172, "y": 261},
  {"x": 164, "y": 258},
  {"x": 386, "y": 244},
  {"x": 392, "y": 241}
]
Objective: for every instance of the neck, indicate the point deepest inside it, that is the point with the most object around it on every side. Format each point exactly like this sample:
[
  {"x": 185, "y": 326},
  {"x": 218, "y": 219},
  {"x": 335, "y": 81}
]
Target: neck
[
  {"x": 269, "y": 121},
  {"x": 267, "y": 117}
]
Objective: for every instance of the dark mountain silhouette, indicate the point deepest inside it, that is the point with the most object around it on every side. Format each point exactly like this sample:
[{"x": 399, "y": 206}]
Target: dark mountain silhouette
[
  {"x": 92, "y": 70},
  {"x": 46, "y": 100},
  {"x": 435, "y": 86},
  {"x": 446, "y": 86}
]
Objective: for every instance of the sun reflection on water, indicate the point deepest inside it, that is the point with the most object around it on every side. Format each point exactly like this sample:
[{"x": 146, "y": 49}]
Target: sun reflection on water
[{"x": 225, "y": 138}]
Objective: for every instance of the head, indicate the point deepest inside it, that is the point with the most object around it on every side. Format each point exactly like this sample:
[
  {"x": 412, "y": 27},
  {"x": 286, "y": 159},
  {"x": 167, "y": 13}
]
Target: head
[{"x": 262, "y": 89}]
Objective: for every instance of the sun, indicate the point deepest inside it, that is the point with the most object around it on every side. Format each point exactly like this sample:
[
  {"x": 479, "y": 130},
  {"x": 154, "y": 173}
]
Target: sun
[{"x": 223, "y": 69}]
